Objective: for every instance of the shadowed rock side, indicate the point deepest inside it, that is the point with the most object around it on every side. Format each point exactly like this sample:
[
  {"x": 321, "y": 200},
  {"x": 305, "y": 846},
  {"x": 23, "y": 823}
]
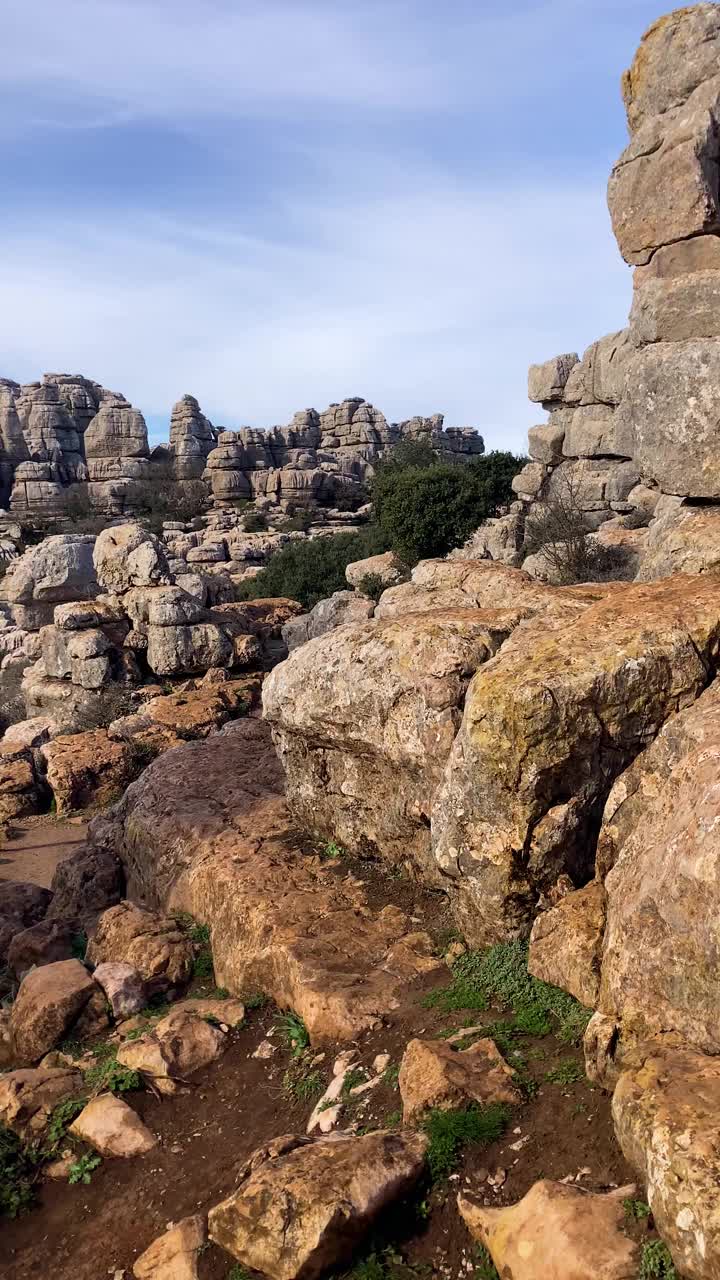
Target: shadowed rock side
[{"x": 205, "y": 830}]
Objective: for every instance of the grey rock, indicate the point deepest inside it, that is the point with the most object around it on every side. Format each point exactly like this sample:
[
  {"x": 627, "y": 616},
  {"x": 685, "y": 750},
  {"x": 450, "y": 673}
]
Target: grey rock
[{"x": 546, "y": 382}]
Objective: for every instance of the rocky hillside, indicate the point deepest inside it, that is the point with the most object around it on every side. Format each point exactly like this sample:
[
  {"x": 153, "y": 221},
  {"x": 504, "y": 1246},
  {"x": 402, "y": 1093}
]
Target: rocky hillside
[{"x": 385, "y": 946}]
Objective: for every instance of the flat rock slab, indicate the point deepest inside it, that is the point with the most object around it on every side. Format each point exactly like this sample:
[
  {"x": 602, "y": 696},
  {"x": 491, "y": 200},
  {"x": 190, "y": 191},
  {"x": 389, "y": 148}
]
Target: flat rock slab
[
  {"x": 556, "y": 1232},
  {"x": 303, "y": 1204},
  {"x": 112, "y": 1127},
  {"x": 206, "y": 830}
]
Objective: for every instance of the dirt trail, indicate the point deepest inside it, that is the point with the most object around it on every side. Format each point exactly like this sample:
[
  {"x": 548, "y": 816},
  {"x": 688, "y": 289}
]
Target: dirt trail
[
  {"x": 35, "y": 846},
  {"x": 88, "y": 1232}
]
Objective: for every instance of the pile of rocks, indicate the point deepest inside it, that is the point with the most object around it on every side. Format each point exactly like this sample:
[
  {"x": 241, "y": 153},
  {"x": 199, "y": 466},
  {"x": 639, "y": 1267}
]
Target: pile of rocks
[{"x": 632, "y": 436}]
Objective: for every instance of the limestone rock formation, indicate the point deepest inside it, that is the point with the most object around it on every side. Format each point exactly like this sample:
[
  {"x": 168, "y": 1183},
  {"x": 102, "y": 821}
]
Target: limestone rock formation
[
  {"x": 153, "y": 944},
  {"x": 235, "y": 867},
  {"x": 302, "y": 1204},
  {"x": 634, "y": 424},
  {"x": 666, "y": 1120},
  {"x": 174, "y": 1255}
]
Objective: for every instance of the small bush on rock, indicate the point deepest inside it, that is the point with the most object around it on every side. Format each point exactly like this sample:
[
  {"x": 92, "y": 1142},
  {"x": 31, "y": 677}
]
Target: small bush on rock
[
  {"x": 309, "y": 571},
  {"x": 656, "y": 1262},
  {"x": 426, "y": 508}
]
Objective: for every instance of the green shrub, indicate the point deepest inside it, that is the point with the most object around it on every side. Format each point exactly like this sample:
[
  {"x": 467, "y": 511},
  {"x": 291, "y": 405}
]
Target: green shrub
[
  {"x": 424, "y": 510},
  {"x": 255, "y": 522},
  {"x": 18, "y": 1171},
  {"x": 294, "y": 1032},
  {"x": 312, "y": 570},
  {"x": 656, "y": 1262},
  {"x": 450, "y": 1132},
  {"x": 372, "y": 586}
]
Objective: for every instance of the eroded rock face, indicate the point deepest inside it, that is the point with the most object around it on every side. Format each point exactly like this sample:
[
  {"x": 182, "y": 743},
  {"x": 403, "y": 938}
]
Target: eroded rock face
[
  {"x": 547, "y": 727},
  {"x": 666, "y": 1120},
  {"x": 556, "y": 1232},
  {"x": 434, "y": 1074},
  {"x": 659, "y": 836},
  {"x": 364, "y": 720},
  {"x": 341, "y": 608},
  {"x": 302, "y": 1205},
  {"x": 205, "y": 830}
]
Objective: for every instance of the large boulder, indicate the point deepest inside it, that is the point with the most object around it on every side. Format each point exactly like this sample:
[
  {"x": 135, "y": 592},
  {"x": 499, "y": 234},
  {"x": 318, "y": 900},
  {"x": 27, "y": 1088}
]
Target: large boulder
[
  {"x": 339, "y": 609},
  {"x": 87, "y": 769},
  {"x": 385, "y": 569},
  {"x": 21, "y": 905},
  {"x": 180, "y": 1044},
  {"x": 660, "y": 837},
  {"x": 234, "y": 865},
  {"x": 302, "y": 1205},
  {"x": 683, "y": 538},
  {"x": 364, "y": 719},
  {"x": 547, "y": 727},
  {"x": 58, "y": 569},
  {"x": 677, "y": 53},
  {"x": 566, "y": 944},
  {"x": 86, "y": 883},
  {"x": 49, "y": 1001},
  {"x": 666, "y": 1119},
  {"x": 128, "y": 556}
]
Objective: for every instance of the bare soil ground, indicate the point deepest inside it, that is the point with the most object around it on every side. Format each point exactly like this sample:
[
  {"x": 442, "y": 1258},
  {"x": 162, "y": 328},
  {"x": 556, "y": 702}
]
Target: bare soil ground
[
  {"x": 35, "y": 846},
  {"x": 86, "y": 1232}
]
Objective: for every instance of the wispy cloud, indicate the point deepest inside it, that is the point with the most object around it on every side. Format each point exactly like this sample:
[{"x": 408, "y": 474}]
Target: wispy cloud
[
  {"x": 419, "y": 305},
  {"x": 277, "y": 203}
]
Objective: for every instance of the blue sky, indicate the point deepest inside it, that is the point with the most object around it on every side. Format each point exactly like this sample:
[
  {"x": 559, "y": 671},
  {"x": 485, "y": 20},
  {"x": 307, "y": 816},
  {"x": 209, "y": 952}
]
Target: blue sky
[{"x": 280, "y": 203}]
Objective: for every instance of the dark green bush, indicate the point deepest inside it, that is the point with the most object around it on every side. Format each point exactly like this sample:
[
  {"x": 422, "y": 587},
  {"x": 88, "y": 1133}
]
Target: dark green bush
[
  {"x": 426, "y": 508},
  {"x": 312, "y": 570}
]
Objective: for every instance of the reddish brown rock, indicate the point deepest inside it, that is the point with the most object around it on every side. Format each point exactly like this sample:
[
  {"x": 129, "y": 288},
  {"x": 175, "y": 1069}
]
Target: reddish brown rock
[
  {"x": 566, "y": 944},
  {"x": 433, "y": 1074},
  {"x": 29, "y": 1096},
  {"x": 153, "y": 944},
  {"x": 302, "y": 1205},
  {"x": 49, "y": 1002},
  {"x": 87, "y": 769}
]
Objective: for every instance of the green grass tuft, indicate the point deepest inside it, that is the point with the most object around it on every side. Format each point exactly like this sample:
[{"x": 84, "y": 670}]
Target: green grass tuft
[
  {"x": 568, "y": 1072},
  {"x": 500, "y": 973},
  {"x": 302, "y": 1084},
  {"x": 294, "y": 1033},
  {"x": 82, "y": 1168},
  {"x": 636, "y": 1210},
  {"x": 451, "y": 1131}
]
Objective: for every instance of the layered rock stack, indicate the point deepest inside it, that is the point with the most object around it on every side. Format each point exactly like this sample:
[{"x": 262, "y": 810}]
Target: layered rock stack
[
  {"x": 633, "y": 433},
  {"x": 320, "y": 457},
  {"x": 68, "y": 443}
]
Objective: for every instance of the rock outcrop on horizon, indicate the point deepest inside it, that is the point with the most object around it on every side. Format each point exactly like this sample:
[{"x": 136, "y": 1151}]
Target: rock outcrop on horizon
[{"x": 67, "y": 441}]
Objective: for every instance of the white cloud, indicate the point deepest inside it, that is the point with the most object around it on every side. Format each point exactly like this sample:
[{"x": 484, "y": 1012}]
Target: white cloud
[{"x": 430, "y": 297}]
